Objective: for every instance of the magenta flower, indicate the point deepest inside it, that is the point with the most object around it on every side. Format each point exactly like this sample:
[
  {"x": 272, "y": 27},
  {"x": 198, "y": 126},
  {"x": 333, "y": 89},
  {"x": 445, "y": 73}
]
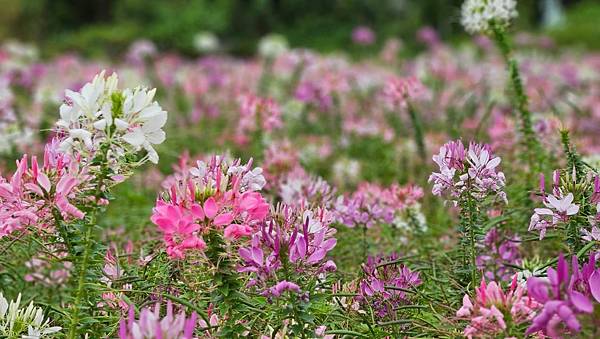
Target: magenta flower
[
  {"x": 564, "y": 296},
  {"x": 501, "y": 249},
  {"x": 35, "y": 191},
  {"x": 292, "y": 239},
  {"x": 383, "y": 285},
  {"x": 363, "y": 35}
]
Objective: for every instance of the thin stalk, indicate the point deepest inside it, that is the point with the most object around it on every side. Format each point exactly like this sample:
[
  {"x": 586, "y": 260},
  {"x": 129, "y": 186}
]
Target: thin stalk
[
  {"x": 418, "y": 132},
  {"x": 533, "y": 151},
  {"x": 80, "y": 285}
]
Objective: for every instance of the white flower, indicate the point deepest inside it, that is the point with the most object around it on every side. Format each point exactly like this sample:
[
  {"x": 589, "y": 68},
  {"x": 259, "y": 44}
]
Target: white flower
[
  {"x": 254, "y": 180},
  {"x": 477, "y": 16},
  {"x": 128, "y": 121},
  {"x": 14, "y": 321},
  {"x": 272, "y": 46},
  {"x": 206, "y": 42},
  {"x": 558, "y": 210}
]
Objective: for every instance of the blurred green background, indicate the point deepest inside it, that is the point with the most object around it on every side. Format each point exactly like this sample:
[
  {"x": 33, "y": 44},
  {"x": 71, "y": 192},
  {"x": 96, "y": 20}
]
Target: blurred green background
[{"x": 94, "y": 27}]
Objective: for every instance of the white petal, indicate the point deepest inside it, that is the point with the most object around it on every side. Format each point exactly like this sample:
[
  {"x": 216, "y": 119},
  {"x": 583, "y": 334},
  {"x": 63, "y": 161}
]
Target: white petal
[{"x": 135, "y": 138}]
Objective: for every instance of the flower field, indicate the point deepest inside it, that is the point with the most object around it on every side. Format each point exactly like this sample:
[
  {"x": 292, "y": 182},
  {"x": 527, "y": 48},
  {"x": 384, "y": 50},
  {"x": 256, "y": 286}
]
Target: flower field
[{"x": 293, "y": 194}]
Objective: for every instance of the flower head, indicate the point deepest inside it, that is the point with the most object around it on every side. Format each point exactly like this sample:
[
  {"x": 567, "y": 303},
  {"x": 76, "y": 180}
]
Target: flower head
[
  {"x": 213, "y": 196},
  {"x": 100, "y": 115},
  {"x": 150, "y": 325},
  {"x": 478, "y": 16},
  {"x": 492, "y": 308},
  {"x": 472, "y": 171}
]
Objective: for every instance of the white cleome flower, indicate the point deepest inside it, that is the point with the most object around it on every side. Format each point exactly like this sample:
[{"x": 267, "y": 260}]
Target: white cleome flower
[
  {"x": 23, "y": 322},
  {"x": 129, "y": 121},
  {"x": 478, "y": 16},
  {"x": 206, "y": 42},
  {"x": 272, "y": 46}
]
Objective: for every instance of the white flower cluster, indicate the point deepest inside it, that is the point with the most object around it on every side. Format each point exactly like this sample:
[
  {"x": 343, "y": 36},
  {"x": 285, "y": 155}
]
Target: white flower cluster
[
  {"x": 272, "y": 46},
  {"x": 128, "y": 121},
  {"x": 16, "y": 322},
  {"x": 478, "y": 16},
  {"x": 206, "y": 42}
]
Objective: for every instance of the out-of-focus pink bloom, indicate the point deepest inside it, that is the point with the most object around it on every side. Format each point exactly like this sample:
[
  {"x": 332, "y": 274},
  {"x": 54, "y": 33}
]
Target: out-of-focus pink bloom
[
  {"x": 363, "y": 35},
  {"x": 150, "y": 325},
  {"x": 399, "y": 91},
  {"x": 257, "y": 115},
  {"x": 139, "y": 51},
  {"x": 501, "y": 250},
  {"x": 428, "y": 36}
]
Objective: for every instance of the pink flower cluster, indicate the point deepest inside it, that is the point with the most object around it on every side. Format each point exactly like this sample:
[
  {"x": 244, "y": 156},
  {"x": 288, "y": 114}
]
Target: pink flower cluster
[
  {"x": 35, "y": 192},
  {"x": 292, "y": 243},
  {"x": 384, "y": 284},
  {"x": 564, "y": 296},
  {"x": 399, "y": 91},
  {"x": 256, "y": 114},
  {"x": 493, "y": 310},
  {"x": 472, "y": 171},
  {"x": 151, "y": 325},
  {"x": 212, "y": 196},
  {"x": 372, "y": 204}
]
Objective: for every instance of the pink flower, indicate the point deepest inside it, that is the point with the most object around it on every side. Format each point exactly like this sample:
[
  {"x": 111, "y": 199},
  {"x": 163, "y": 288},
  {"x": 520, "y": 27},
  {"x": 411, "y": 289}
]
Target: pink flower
[
  {"x": 211, "y": 197},
  {"x": 363, "y": 35},
  {"x": 491, "y": 308},
  {"x": 150, "y": 325}
]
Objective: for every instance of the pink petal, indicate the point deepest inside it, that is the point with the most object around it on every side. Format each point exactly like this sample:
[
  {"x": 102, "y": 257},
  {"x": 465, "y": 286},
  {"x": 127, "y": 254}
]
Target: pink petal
[{"x": 210, "y": 208}]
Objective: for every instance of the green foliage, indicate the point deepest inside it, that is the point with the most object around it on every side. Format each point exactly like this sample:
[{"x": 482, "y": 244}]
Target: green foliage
[{"x": 581, "y": 27}]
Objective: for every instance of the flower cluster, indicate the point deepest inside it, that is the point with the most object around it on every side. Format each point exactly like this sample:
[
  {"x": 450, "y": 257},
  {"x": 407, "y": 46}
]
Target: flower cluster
[
  {"x": 472, "y": 171},
  {"x": 479, "y": 16},
  {"x": 100, "y": 116},
  {"x": 150, "y": 325},
  {"x": 292, "y": 244},
  {"x": 299, "y": 188},
  {"x": 399, "y": 91},
  {"x": 17, "y": 322},
  {"x": 210, "y": 197},
  {"x": 564, "y": 296},
  {"x": 558, "y": 210},
  {"x": 492, "y": 311},
  {"x": 383, "y": 287},
  {"x": 35, "y": 192},
  {"x": 256, "y": 114}
]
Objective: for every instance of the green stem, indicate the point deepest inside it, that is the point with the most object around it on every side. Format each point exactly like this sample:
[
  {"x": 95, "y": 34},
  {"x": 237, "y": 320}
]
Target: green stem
[
  {"x": 468, "y": 228},
  {"x": 534, "y": 151},
  {"x": 81, "y": 290},
  {"x": 418, "y": 132}
]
